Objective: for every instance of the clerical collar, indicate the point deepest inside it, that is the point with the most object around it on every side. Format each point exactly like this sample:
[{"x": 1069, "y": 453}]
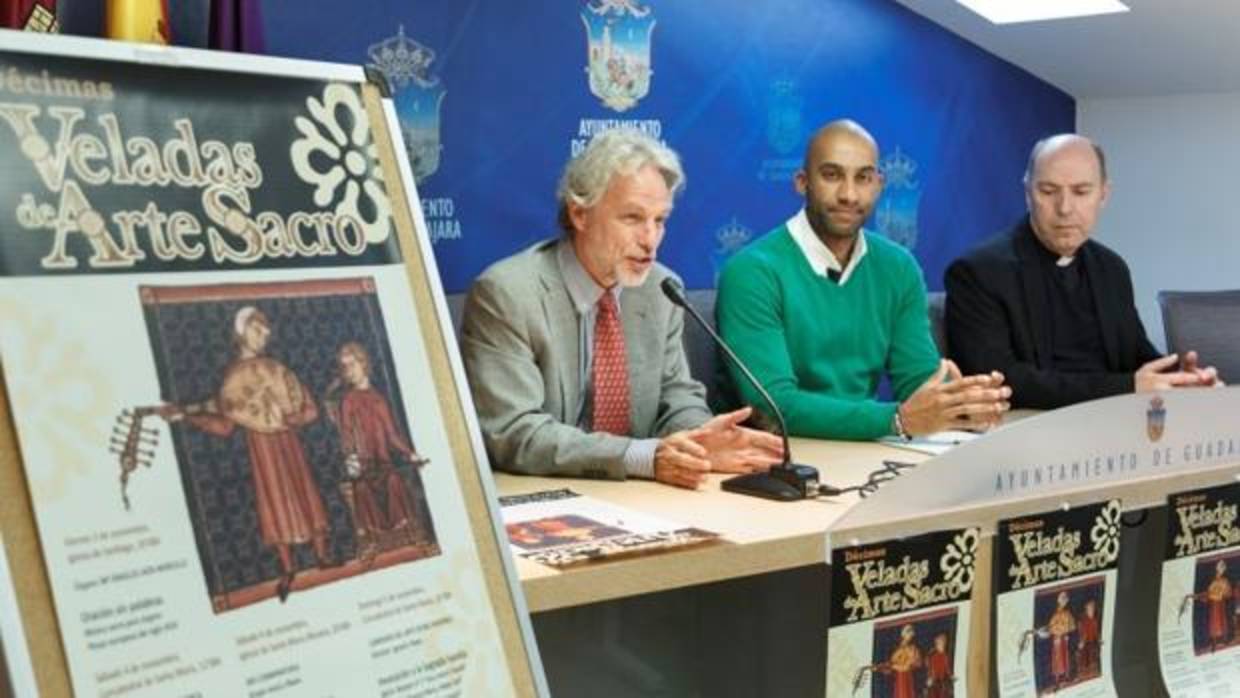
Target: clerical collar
[
  {"x": 582, "y": 289},
  {"x": 1056, "y": 260},
  {"x": 821, "y": 260}
]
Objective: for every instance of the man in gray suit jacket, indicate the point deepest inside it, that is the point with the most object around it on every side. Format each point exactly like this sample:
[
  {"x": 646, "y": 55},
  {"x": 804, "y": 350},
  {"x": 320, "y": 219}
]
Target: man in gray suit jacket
[{"x": 575, "y": 357}]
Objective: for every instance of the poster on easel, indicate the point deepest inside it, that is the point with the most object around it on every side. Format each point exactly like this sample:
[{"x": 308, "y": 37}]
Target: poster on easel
[
  {"x": 1055, "y": 605},
  {"x": 1199, "y": 605},
  {"x": 238, "y": 461},
  {"x": 900, "y": 616}
]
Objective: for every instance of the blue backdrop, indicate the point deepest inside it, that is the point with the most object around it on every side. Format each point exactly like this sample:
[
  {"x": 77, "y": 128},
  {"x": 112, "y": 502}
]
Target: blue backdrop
[{"x": 495, "y": 96}]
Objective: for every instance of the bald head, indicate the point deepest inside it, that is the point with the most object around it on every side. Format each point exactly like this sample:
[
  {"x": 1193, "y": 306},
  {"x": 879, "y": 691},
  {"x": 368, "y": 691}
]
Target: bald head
[
  {"x": 1051, "y": 145},
  {"x": 1065, "y": 189},
  {"x": 845, "y": 129},
  {"x": 840, "y": 181}
]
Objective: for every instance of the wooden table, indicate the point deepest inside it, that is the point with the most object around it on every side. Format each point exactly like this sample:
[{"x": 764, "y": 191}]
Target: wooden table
[
  {"x": 759, "y": 535},
  {"x": 743, "y": 617}
]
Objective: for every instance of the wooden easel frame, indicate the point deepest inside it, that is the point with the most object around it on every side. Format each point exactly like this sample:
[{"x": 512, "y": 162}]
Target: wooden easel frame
[{"x": 36, "y": 659}]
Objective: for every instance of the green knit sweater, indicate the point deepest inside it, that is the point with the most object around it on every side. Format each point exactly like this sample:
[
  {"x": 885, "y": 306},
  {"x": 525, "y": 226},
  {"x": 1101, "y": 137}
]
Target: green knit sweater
[{"x": 821, "y": 348}]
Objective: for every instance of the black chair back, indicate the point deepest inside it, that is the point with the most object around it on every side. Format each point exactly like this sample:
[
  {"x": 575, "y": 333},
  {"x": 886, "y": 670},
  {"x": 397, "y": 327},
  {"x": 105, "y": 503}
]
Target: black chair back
[
  {"x": 1207, "y": 322},
  {"x": 700, "y": 349},
  {"x": 936, "y": 308}
]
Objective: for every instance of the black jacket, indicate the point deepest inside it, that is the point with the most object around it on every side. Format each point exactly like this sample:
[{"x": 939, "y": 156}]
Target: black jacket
[{"x": 999, "y": 318}]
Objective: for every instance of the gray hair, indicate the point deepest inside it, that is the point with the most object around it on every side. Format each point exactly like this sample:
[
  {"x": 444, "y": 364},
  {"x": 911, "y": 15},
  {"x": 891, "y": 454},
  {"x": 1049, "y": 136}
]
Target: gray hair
[
  {"x": 1054, "y": 141},
  {"x": 621, "y": 151}
]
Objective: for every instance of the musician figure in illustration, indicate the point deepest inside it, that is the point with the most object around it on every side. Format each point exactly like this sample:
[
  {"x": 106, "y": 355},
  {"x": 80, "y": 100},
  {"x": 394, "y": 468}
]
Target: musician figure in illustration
[
  {"x": 1058, "y": 630},
  {"x": 268, "y": 401},
  {"x": 905, "y": 659},
  {"x": 940, "y": 681},
  {"x": 371, "y": 443},
  {"x": 1235, "y": 613},
  {"x": 1089, "y": 642},
  {"x": 1216, "y": 597}
]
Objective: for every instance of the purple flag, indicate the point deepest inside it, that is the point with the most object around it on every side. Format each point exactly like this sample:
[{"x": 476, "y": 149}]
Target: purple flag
[{"x": 237, "y": 25}]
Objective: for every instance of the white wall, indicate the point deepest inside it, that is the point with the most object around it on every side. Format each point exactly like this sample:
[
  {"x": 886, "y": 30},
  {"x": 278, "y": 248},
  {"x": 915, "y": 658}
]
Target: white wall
[{"x": 1174, "y": 213}]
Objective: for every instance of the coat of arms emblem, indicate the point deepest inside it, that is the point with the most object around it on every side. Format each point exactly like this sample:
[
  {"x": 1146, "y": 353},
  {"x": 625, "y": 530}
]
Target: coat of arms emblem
[
  {"x": 417, "y": 95},
  {"x": 1155, "y": 419},
  {"x": 784, "y": 126},
  {"x": 896, "y": 217},
  {"x": 728, "y": 238},
  {"x": 618, "y": 43}
]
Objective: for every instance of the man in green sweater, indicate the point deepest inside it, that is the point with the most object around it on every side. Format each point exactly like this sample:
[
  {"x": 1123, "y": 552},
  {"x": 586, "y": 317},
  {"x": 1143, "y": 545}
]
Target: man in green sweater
[{"x": 819, "y": 309}]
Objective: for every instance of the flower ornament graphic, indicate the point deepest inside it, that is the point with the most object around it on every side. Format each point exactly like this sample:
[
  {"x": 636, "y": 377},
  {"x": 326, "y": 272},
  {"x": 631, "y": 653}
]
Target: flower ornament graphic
[
  {"x": 462, "y": 597},
  {"x": 958, "y": 563},
  {"x": 1105, "y": 533},
  {"x": 65, "y": 400},
  {"x": 337, "y": 155}
]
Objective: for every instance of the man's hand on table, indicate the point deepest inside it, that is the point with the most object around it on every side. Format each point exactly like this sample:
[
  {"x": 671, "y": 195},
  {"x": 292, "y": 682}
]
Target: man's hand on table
[
  {"x": 732, "y": 448},
  {"x": 721, "y": 445},
  {"x": 680, "y": 461},
  {"x": 949, "y": 400}
]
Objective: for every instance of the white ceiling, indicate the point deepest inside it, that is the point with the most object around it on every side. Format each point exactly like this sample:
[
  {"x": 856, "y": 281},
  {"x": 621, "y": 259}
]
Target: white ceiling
[{"x": 1161, "y": 47}]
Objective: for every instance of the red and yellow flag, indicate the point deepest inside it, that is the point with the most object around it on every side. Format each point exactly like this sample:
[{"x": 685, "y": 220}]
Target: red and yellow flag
[
  {"x": 31, "y": 15},
  {"x": 138, "y": 20}
]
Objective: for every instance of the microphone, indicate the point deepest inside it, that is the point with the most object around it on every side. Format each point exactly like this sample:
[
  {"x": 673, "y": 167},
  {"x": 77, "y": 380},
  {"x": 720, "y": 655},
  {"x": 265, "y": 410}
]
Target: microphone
[{"x": 787, "y": 481}]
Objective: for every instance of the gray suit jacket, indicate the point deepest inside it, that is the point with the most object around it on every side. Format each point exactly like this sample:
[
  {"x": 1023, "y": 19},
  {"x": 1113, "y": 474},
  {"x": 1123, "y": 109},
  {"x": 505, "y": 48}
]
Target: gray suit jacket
[{"x": 520, "y": 344}]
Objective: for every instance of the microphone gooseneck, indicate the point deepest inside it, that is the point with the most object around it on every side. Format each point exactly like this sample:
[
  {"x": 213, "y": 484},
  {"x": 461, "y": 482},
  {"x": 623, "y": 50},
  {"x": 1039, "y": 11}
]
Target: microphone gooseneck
[
  {"x": 786, "y": 481},
  {"x": 676, "y": 295}
]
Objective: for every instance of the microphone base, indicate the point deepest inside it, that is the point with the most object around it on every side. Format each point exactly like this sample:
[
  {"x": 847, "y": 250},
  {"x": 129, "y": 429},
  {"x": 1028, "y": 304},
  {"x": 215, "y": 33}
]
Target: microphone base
[{"x": 784, "y": 483}]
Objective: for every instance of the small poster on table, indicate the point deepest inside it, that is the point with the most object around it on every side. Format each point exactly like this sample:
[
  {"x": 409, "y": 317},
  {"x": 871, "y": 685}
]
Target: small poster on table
[
  {"x": 561, "y": 528},
  {"x": 900, "y": 616},
  {"x": 1056, "y": 602},
  {"x": 1199, "y": 608}
]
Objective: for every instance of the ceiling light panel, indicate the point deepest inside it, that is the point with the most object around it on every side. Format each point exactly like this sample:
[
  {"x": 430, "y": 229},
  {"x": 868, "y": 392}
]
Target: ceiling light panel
[{"x": 1013, "y": 11}]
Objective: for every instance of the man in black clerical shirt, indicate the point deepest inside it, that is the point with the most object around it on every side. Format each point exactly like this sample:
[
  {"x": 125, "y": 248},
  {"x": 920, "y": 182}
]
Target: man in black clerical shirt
[{"x": 1050, "y": 308}]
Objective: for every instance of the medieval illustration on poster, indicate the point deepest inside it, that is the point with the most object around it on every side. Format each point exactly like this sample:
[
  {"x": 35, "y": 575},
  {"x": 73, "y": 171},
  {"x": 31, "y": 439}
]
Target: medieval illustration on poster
[
  {"x": 900, "y": 616},
  {"x": 1199, "y": 606},
  {"x": 562, "y": 528},
  {"x": 236, "y": 458},
  {"x": 1055, "y": 604}
]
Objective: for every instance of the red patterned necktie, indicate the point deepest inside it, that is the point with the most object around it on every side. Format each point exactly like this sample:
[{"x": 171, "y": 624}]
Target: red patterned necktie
[{"x": 611, "y": 370}]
